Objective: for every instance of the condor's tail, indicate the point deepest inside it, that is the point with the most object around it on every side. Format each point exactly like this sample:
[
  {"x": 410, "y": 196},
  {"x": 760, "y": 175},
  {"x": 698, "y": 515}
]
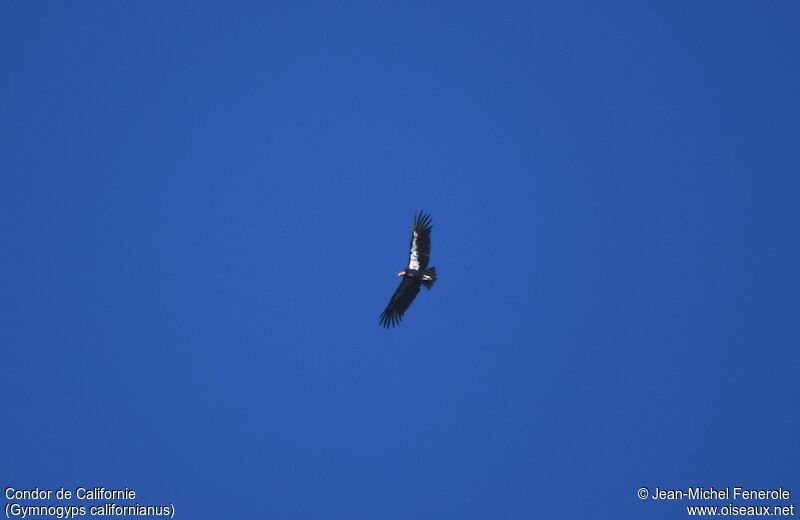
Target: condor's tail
[{"x": 429, "y": 277}]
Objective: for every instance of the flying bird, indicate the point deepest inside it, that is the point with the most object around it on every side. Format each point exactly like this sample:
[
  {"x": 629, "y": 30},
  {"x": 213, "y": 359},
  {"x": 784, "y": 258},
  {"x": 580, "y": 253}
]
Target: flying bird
[{"x": 416, "y": 274}]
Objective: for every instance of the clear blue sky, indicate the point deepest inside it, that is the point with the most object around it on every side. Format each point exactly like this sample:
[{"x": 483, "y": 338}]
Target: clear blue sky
[{"x": 205, "y": 205}]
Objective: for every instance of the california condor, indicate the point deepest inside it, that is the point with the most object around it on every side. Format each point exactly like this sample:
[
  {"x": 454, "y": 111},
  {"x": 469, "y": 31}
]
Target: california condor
[{"x": 415, "y": 275}]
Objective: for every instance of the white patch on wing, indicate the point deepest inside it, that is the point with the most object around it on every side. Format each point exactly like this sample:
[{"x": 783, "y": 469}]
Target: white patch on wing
[{"x": 413, "y": 261}]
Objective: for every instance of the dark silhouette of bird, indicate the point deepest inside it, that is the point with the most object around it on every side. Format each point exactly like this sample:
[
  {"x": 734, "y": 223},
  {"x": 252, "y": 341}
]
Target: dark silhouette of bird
[{"x": 416, "y": 274}]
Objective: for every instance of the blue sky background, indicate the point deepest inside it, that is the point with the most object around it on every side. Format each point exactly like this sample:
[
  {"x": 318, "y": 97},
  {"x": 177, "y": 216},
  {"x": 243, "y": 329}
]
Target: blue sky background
[{"x": 205, "y": 205}]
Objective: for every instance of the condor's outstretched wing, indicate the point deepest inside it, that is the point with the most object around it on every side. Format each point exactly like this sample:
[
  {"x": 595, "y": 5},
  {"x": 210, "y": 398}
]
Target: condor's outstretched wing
[
  {"x": 400, "y": 301},
  {"x": 420, "y": 253}
]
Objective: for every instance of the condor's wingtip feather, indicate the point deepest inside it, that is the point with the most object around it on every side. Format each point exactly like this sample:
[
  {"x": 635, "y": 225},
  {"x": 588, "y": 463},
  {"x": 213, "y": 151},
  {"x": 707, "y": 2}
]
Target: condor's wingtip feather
[
  {"x": 422, "y": 221},
  {"x": 388, "y": 320}
]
